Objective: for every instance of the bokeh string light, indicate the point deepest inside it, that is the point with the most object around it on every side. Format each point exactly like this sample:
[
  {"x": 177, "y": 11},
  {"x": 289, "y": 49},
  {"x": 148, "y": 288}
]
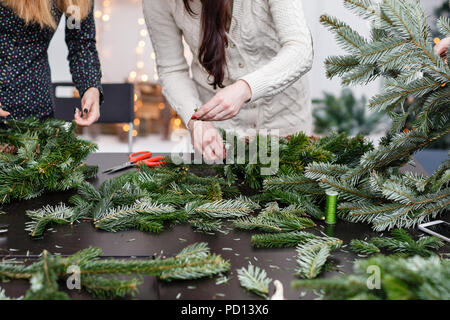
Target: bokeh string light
[{"x": 144, "y": 71}]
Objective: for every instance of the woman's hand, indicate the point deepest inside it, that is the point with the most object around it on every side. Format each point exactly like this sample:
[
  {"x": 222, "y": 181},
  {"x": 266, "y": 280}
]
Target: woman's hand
[
  {"x": 441, "y": 49},
  {"x": 90, "y": 104},
  {"x": 226, "y": 104},
  {"x": 207, "y": 140},
  {"x": 3, "y": 113}
]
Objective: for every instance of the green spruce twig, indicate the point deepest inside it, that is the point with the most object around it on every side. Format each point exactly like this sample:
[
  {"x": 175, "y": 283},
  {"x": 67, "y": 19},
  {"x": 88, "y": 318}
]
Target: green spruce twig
[{"x": 255, "y": 280}]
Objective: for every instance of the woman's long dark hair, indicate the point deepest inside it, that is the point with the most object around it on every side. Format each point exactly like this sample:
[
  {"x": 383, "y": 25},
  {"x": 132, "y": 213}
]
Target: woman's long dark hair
[{"x": 212, "y": 54}]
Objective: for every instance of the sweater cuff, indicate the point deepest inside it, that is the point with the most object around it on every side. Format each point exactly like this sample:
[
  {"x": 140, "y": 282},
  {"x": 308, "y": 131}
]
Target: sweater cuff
[
  {"x": 186, "y": 114},
  {"x": 258, "y": 85}
]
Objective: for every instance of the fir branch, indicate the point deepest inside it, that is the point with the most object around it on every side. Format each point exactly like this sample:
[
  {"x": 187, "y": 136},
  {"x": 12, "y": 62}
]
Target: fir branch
[
  {"x": 274, "y": 219},
  {"x": 368, "y": 10},
  {"x": 139, "y": 215},
  {"x": 82, "y": 208},
  {"x": 100, "y": 277},
  {"x": 363, "y": 247},
  {"x": 402, "y": 242},
  {"x": 199, "y": 250},
  {"x": 444, "y": 26},
  {"x": 310, "y": 264},
  {"x": 110, "y": 288},
  {"x": 340, "y": 65},
  {"x": 60, "y": 214},
  {"x": 49, "y": 158},
  {"x": 313, "y": 254},
  {"x": 206, "y": 225},
  {"x": 255, "y": 280},
  {"x": 415, "y": 278},
  {"x": 221, "y": 209},
  {"x": 293, "y": 198},
  {"x": 214, "y": 192},
  {"x": 281, "y": 240},
  {"x": 197, "y": 269}
]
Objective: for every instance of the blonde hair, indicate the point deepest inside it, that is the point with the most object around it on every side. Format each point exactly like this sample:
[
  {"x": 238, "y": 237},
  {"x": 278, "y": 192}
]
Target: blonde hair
[{"x": 40, "y": 11}]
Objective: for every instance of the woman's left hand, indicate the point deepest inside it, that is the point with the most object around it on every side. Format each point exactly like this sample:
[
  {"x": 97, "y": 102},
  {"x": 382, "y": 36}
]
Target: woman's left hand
[
  {"x": 3, "y": 113},
  {"x": 226, "y": 104},
  {"x": 90, "y": 104}
]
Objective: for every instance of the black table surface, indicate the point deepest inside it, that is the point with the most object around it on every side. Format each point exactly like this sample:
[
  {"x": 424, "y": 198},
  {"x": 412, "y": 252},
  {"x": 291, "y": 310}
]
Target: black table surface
[{"x": 233, "y": 245}]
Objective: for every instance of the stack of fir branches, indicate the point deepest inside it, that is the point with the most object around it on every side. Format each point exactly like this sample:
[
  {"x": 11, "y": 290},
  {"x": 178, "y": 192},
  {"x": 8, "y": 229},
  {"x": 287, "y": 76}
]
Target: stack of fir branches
[
  {"x": 38, "y": 157},
  {"x": 147, "y": 198}
]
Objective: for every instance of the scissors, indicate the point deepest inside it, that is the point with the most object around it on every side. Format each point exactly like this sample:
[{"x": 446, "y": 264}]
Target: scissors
[{"x": 138, "y": 158}]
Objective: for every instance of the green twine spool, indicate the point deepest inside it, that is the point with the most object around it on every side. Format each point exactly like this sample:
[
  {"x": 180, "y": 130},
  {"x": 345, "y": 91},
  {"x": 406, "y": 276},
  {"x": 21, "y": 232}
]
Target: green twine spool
[{"x": 331, "y": 207}]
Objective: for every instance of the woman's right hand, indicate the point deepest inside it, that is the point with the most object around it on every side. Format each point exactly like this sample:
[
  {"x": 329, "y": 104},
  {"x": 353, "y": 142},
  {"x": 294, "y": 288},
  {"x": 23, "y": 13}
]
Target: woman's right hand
[
  {"x": 3, "y": 113},
  {"x": 207, "y": 140}
]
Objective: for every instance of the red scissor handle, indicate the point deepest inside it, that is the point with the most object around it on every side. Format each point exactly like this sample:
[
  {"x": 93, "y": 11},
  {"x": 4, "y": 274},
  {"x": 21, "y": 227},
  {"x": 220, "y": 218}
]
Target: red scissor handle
[
  {"x": 139, "y": 156},
  {"x": 155, "y": 161}
]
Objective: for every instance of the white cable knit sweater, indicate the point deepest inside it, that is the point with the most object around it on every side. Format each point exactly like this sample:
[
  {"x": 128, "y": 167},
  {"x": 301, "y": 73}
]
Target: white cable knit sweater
[{"x": 270, "y": 47}]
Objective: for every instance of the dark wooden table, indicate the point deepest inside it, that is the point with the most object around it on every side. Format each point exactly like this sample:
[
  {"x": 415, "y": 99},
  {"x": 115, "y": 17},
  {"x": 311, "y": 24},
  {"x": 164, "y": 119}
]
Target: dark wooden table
[{"x": 279, "y": 263}]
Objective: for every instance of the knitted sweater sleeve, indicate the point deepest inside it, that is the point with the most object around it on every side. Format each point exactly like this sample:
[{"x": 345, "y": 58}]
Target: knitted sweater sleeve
[
  {"x": 178, "y": 87},
  {"x": 295, "y": 57}
]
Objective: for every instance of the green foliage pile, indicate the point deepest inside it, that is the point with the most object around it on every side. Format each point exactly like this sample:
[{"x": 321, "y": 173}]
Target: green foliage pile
[
  {"x": 147, "y": 199},
  {"x": 295, "y": 153},
  {"x": 415, "y": 278},
  {"x": 48, "y": 158},
  {"x": 400, "y": 50},
  {"x": 400, "y": 242},
  {"x": 110, "y": 278}
]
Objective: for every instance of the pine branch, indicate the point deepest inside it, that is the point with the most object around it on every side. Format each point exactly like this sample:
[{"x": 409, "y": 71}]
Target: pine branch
[{"x": 255, "y": 280}]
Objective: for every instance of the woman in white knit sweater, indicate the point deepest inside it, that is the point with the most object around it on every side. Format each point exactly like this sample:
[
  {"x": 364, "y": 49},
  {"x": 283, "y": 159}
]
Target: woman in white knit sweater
[{"x": 250, "y": 58}]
